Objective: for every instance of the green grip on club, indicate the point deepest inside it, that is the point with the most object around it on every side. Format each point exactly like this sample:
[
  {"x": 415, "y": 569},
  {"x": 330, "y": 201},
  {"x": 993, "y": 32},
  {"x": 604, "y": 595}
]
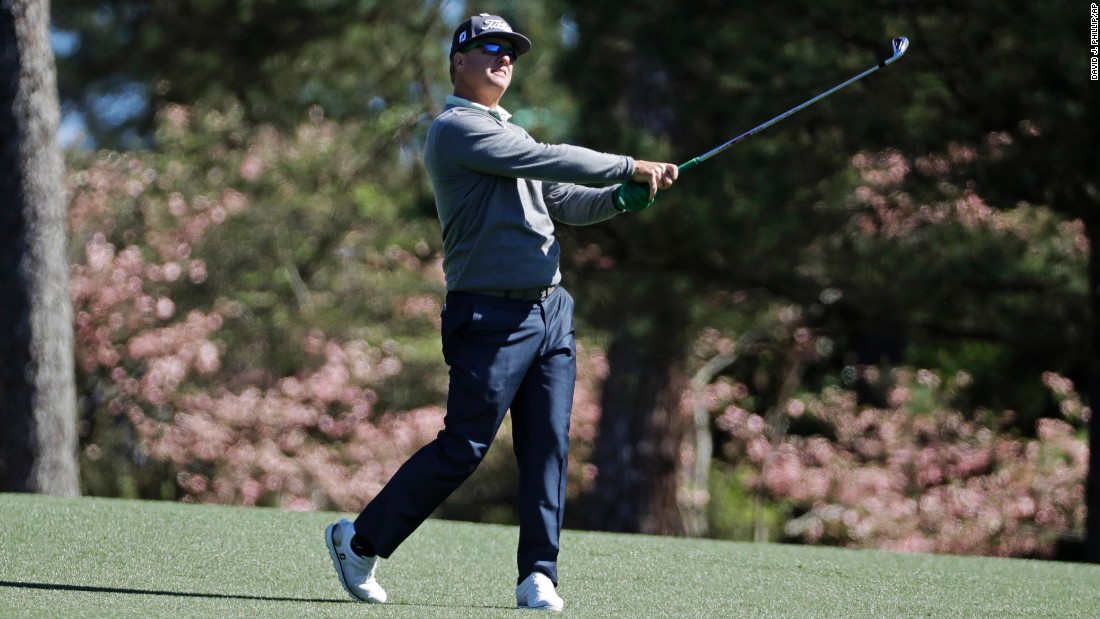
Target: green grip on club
[
  {"x": 690, "y": 164},
  {"x": 639, "y": 193},
  {"x": 633, "y": 197}
]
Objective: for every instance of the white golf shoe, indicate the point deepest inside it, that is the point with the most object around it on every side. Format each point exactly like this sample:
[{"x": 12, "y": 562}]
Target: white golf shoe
[
  {"x": 536, "y": 592},
  {"x": 356, "y": 573}
]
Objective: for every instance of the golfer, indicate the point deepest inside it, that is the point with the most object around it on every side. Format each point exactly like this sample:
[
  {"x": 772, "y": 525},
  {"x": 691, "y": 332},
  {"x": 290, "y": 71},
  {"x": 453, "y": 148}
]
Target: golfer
[{"x": 507, "y": 325}]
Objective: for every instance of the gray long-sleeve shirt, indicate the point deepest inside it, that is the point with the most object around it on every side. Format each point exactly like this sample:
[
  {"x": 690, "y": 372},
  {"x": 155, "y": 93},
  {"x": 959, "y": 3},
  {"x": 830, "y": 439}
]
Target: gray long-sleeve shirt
[{"x": 497, "y": 191}]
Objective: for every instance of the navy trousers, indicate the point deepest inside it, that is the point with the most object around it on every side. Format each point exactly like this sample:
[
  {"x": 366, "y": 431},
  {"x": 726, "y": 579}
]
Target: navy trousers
[{"x": 503, "y": 354}]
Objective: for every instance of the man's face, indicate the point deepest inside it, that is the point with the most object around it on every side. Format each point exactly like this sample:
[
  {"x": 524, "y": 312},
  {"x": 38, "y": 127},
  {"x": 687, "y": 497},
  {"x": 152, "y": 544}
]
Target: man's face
[{"x": 486, "y": 72}]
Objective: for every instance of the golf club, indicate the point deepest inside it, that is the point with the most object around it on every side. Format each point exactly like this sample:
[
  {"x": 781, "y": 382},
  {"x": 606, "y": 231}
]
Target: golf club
[{"x": 900, "y": 45}]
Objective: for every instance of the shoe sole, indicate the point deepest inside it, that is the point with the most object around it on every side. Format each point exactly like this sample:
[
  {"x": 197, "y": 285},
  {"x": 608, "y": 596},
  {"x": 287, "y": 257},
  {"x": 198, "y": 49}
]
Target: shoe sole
[
  {"x": 335, "y": 556},
  {"x": 549, "y": 608}
]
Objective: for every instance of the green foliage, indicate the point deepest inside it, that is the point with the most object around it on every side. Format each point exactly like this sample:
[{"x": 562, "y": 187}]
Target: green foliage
[
  {"x": 734, "y": 512},
  {"x": 354, "y": 59}
]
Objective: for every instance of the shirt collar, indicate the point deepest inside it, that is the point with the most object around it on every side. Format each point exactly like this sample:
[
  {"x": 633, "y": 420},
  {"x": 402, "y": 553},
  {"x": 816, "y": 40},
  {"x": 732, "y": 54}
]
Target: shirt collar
[{"x": 497, "y": 112}]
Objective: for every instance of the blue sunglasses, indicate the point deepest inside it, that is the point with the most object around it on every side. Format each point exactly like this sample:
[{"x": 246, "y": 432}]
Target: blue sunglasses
[{"x": 495, "y": 49}]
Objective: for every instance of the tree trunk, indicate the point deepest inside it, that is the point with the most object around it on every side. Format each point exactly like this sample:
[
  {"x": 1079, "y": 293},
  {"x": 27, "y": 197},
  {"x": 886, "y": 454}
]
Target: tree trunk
[
  {"x": 642, "y": 426},
  {"x": 37, "y": 386}
]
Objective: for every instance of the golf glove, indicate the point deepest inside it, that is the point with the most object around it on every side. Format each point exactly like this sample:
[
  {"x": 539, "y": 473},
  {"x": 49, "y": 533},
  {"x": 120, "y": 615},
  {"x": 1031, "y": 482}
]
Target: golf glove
[{"x": 632, "y": 196}]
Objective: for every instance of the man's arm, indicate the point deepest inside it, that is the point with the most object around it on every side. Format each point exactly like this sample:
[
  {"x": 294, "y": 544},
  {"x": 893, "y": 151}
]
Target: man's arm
[
  {"x": 481, "y": 143},
  {"x": 578, "y": 205}
]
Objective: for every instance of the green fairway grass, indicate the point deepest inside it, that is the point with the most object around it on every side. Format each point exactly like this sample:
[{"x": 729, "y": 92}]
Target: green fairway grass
[{"x": 113, "y": 558}]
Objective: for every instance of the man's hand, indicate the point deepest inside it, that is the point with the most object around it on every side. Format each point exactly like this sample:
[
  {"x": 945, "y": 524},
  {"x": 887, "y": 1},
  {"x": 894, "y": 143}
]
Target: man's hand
[{"x": 655, "y": 175}]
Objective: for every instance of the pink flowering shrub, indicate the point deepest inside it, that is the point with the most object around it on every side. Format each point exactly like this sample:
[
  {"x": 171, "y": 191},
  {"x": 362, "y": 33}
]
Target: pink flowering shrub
[
  {"x": 886, "y": 206},
  {"x": 311, "y": 440},
  {"x": 898, "y": 480},
  {"x": 305, "y": 441}
]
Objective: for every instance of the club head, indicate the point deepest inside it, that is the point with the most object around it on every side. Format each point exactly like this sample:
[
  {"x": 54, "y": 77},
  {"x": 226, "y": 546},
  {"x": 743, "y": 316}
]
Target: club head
[{"x": 900, "y": 45}]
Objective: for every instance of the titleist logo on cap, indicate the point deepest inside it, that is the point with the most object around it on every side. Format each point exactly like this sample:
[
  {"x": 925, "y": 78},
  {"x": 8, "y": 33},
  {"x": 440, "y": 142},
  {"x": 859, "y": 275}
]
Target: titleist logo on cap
[{"x": 497, "y": 24}]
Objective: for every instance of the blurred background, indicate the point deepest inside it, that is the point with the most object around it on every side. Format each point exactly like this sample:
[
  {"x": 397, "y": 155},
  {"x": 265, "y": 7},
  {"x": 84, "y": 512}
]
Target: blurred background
[{"x": 868, "y": 325}]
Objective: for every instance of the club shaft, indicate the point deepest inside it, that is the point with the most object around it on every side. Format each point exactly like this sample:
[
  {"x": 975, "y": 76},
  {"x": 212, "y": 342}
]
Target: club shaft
[{"x": 707, "y": 155}]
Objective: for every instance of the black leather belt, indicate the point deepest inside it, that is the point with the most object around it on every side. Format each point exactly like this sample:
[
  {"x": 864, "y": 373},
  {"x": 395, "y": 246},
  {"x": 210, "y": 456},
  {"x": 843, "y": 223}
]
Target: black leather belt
[{"x": 523, "y": 294}]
